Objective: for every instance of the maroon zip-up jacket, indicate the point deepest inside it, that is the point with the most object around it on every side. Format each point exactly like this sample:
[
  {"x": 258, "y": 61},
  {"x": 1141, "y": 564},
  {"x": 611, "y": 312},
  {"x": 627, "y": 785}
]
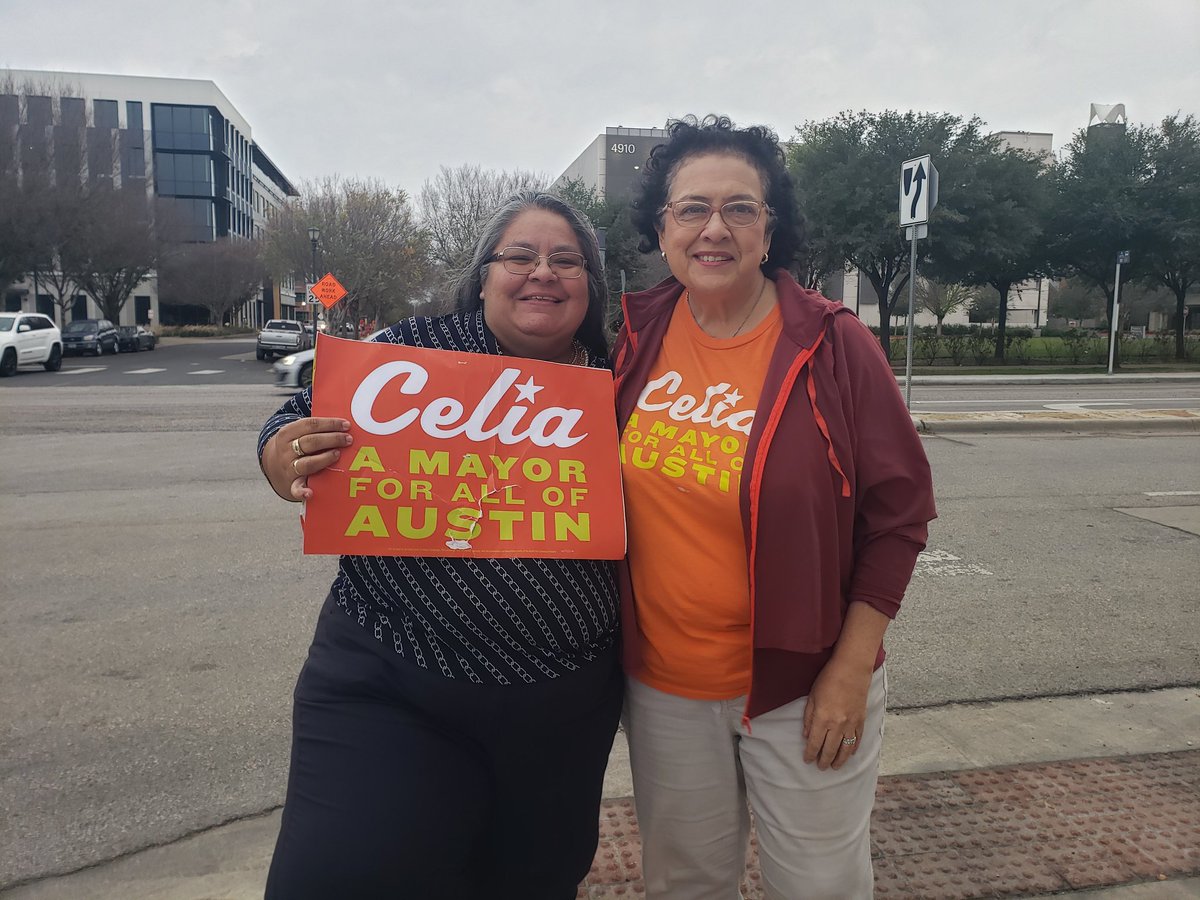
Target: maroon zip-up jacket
[{"x": 835, "y": 494}]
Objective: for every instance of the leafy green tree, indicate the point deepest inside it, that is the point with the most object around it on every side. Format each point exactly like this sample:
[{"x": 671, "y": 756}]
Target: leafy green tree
[
  {"x": 1101, "y": 206},
  {"x": 1072, "y": 298},
  {"x": 995, "y": 235},
  {"x": 620, "y": 239},
  {"x": 847, "y": 170},
  {"x": 1173, "y": 195}
]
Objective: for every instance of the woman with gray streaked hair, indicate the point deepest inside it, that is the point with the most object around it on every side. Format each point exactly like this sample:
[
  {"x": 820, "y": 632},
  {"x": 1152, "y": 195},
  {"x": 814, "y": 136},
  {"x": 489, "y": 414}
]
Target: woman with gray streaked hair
[{"x": 453, "y": 720}]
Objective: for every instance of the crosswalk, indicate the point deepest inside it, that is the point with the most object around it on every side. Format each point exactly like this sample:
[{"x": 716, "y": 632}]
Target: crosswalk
[{"x": 88, "y": 370}]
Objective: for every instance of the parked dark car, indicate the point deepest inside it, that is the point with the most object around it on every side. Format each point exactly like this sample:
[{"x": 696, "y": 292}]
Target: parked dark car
[
  {"x": 135, "y": 337},
  {"x": 95, "y": 336}
]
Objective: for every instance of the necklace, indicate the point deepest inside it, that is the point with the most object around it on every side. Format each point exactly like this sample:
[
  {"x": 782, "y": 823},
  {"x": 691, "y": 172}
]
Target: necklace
[
  {"x": 579, "y": 355},
  {"x": 753, "y": 306}
]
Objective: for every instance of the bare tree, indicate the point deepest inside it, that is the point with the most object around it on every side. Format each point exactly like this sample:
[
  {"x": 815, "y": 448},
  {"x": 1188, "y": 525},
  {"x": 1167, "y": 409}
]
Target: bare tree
[
  {"x": 117, "y": 247},
  {"x": 370, "y": 240},
  {"x": 940, "y": 299},
  {"x": 455, "y": 204},
  {"x": 217, "y": 276}
]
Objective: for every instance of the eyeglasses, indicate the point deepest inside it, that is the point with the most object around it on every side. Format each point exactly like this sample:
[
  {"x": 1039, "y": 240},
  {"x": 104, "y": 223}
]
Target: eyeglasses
[
  {"x": 519, "y": 261},
  {"x": 735, "y": 214}
]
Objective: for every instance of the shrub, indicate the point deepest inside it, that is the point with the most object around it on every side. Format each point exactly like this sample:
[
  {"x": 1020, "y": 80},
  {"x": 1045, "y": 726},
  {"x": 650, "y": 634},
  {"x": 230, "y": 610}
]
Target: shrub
[
  {"x": 980, "y": 344},
  {"x": 1078, "y": 344},
  {"x": 204, "y": 330},
  {"x": 926, "y": 347},
  {"x": 956, "y": 346}
]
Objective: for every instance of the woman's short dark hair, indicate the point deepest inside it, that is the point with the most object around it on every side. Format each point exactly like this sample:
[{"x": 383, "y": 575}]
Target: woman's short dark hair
[
  {"x": 469, "y": 283},
  {"x": 758, "y": 145}
]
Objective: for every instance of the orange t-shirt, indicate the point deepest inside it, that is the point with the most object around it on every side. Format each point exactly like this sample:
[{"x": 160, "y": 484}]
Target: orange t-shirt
[{"x": 681, "y": 462}]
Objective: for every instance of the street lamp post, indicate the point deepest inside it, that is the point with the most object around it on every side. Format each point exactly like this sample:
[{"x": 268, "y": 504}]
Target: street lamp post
[{"x": 314, "y": 236}]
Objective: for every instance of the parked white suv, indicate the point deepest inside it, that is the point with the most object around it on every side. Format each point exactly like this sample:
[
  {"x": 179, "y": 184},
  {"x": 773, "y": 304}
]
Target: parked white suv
[{"x": 29, "y": 339}]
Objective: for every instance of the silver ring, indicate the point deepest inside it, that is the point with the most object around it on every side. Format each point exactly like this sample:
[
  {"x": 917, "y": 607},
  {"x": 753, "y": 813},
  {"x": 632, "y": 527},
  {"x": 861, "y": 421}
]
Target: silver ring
[
  {"x": 850, "y": 741},
  {"x": 296, "y": 447}
]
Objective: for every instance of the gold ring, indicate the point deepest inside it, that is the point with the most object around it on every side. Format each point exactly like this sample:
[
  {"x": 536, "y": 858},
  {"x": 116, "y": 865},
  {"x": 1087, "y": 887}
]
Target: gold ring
[
  {"x": 294, "y": 469},
  {"x": 296, "y": 447}
]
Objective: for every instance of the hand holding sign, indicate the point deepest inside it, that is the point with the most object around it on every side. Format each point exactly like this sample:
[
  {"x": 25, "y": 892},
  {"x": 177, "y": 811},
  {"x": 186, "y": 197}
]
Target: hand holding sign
[
  {"x": 300, "y": 449},
  {"x": 464, "y": 454}
]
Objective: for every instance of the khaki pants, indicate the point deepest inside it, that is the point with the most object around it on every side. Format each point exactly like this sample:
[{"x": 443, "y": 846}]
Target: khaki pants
[{"x": 696, "y": 770}]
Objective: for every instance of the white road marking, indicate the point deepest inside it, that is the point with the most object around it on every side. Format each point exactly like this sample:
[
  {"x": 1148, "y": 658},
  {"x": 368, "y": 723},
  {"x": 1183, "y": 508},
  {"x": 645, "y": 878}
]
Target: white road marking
[
  {"x": 208, "y": 372},
  {"x": 940, "y": 562},
  {"x": 1083, "y": 405},
  {"x": 83, "y": 370},
  {"x": 143, "y": 371},
  {"x": 1172, "y": 493}
]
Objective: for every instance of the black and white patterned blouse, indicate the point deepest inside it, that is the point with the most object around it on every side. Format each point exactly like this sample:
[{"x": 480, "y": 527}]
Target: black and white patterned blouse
[{"x": 506, "y": 621}]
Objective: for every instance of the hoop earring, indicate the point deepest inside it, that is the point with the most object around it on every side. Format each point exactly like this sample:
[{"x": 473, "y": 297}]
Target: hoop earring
[
  {"x": 663, "y": 254},
  {"x": 764, "y": 259}
]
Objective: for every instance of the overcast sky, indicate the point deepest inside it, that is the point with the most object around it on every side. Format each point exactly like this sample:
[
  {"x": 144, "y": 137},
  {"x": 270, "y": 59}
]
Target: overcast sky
[{"x": 394, "y": 88}]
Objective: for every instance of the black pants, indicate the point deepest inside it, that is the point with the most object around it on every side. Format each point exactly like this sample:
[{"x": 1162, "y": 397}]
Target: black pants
[{"x": 405, "y": 784}]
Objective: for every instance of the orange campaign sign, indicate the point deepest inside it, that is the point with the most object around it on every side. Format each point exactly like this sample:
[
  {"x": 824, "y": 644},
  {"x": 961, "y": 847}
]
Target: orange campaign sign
[
  {"x": 328, "y": 290},
  {"x": 465, "y": 454}
]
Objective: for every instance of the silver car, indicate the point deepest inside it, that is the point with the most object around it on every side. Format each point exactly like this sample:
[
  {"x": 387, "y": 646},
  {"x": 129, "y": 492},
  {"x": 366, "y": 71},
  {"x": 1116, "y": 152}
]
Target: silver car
[{"x": 296, "y": 369}]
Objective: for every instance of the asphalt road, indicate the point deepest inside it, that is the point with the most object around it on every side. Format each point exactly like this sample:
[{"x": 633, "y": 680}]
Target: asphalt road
[
  {"x": 232, "y": 361},
  {"x": 954, "y": 398},
  {"x": 191, "y": 361},
  {"x": 156, "y": 607}
]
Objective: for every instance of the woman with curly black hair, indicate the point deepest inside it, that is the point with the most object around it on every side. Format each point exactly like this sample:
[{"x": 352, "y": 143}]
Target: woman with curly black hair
[{"x": 777, "y": 497}]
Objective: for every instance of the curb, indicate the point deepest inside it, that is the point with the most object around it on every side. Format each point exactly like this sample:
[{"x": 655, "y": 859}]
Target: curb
[
  {"x": 1157, "y": 421},
  {"x": 1065, "y": 378}
]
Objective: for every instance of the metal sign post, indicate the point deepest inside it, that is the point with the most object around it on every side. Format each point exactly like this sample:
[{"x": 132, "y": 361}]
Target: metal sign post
[
  {"x": 918, "y": 195},
  {"x": 1114, "y": 327}
]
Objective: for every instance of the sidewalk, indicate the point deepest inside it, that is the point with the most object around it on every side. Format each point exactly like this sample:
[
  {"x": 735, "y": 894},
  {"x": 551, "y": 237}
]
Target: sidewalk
[{"x": 1065, "y": 796}]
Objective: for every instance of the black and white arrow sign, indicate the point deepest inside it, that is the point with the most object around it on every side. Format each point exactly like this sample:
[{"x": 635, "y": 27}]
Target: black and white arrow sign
[{"x": 918, "y": 190}]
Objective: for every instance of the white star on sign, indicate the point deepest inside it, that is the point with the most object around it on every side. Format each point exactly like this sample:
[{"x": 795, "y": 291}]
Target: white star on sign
[
  {"x": 733, "y": 397},
  {"x": 527, "y": 390}
]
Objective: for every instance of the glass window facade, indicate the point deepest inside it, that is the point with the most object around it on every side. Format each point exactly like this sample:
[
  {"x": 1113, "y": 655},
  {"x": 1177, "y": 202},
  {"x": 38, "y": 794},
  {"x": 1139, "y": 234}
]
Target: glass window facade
[
  {"x": 73, "y": 112},
  {"x": 184, "y": 174},
  {"x": 182, "y": 127},
  {"x": 104, "y": 113},
  {"x": 38, "y": 112}
]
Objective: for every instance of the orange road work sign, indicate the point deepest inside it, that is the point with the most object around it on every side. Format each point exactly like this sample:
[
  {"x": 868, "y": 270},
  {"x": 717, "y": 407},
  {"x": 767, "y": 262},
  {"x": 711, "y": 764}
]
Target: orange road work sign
[
  {"x": 465, "y": 454},
  {"x": 328, "y": 290}
]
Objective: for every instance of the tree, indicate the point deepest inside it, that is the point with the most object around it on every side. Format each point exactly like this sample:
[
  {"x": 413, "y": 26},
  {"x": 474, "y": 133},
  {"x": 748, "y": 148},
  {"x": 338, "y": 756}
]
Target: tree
[
  {"x": 456, "y": 203},
  {"x": 1173, "y": 197},
  {"x": 17, "y": 247},
  {"x": 370, "y": 240},
  {"x": 940, "y": 299},
  {"x": 846, "y": 171},
  {"x": 995, "y": 236},
  {"x": 1076, "y": 300},
  {"x": 117, "y": 246},
  {"x": 1101, "y": 206},
  {"x": 217, "y": 276},
  {"x": 621, "y": 252}
]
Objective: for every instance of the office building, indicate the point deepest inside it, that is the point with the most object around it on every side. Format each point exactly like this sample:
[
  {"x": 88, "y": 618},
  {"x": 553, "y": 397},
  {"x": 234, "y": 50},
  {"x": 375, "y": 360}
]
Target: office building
[{"x": 180, "y": 140}]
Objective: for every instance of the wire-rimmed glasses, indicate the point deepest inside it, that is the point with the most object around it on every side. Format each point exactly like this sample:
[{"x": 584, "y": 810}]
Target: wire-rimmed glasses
[
  {"x": 735, "y": 213},
  {"x": 523, "y": 261}
]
